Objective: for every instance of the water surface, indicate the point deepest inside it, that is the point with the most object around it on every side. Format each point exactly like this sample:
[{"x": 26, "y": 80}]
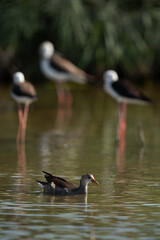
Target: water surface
[{"x": 126, "y": 204}]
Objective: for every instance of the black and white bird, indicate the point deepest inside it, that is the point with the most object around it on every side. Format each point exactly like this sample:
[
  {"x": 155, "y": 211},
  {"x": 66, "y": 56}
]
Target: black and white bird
[
  {"x": 123, "y": 92},
  {"x": 22, "y": 92},
  {"x": 61, "y": 70}
]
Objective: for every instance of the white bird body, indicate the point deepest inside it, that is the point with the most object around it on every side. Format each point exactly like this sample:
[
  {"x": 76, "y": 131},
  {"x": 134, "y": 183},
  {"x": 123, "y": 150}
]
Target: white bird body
[
  {"x": 122, "y": 90},
  {"x": 59, "y": 76}
]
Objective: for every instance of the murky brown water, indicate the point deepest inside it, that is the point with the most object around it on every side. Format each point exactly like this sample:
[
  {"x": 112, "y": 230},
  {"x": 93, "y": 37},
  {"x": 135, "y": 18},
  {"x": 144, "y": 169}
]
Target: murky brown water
[{"x": 126, "y": 204}]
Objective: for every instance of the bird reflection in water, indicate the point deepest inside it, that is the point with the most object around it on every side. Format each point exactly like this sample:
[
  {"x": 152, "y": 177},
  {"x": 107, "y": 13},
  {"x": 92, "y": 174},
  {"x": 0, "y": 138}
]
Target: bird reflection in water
[
  {"x": 120, "y": 150},
  {"x": 19, "y": 185},
  {"x": 21, "y": 158},
  {"x": 55, "y": 137},
  {"x": 74, "y": 202}
]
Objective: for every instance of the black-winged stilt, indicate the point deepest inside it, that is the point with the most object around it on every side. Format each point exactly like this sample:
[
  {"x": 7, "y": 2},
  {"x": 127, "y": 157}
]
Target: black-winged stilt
[
  {"x": 124, "y": 92},
  {"x": 22, "y": 92},
  {"x": 61, "y": 70}
]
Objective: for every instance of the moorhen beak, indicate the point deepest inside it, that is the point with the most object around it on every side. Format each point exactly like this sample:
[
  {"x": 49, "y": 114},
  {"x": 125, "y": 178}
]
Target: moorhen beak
[{"x": 94, "y": 181}]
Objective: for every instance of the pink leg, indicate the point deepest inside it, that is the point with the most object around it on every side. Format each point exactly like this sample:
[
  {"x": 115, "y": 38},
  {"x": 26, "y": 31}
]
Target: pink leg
[
  {"x": 20, "y": 113},
  {"x": 61, "y": 98},
  {"x": 24, "y": 123},
  {"x": 25, "y": 115},
  {"x": 69, "y": 98},
  {"x": 123, "y": 127},
  {"x": 119, "y": 120},
  {"x": 122, "y": 120},
  {"x": 60, "y": 94}
]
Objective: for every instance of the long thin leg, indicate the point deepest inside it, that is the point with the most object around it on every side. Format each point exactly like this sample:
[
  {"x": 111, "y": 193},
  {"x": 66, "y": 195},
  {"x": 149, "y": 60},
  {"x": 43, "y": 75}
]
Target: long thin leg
[
  {"x": 20, "y": 113},
  {"x": 69, "y": 98},
  {"x": 119, "y": 121},
  {"x": 60, "y": 94},
  {"x": 25, "y": 115},
  {"x": 24, "y": 123},
  {"x": 123, "y": 120}
]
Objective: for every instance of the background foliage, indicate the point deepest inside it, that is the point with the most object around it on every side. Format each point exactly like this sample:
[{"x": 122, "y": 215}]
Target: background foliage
[{"x": 95, "y": 35}]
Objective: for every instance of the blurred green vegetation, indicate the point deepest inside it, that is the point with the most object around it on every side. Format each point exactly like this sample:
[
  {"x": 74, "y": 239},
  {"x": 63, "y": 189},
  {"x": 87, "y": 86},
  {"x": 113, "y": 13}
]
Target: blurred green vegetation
[{"x": 95, "y": 35}]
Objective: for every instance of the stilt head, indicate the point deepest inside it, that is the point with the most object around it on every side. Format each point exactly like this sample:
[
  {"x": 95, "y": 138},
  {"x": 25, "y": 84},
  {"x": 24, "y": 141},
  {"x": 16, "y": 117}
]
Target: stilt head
[
  {"x": 46, "y": 49},
  {"x": 18, "y": 77},
  {"x": 110, "y": 76}
]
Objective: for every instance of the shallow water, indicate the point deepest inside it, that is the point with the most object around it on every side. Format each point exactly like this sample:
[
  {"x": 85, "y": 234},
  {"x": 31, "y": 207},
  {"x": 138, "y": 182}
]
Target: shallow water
[{"x": 126, "y": 204}]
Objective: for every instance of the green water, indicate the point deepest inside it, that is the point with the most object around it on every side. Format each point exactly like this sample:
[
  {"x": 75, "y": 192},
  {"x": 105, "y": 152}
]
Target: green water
[{"x": 126, "y": 204}]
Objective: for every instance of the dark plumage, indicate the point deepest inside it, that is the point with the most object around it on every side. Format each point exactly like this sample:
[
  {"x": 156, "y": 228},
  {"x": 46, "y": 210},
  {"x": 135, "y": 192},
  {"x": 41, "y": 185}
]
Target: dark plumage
[
  {"x": 24, "y": 89},
  {"x": 59, "y": 186},
  {"x": 123, "y": 90},
  {"x": 59, "y": 69},
  {"x": 22, "y": 92},
  {"x": 128, "y": 90},
  {"x": 58, "y": 181},
  {"x": 63, "y": 65}
]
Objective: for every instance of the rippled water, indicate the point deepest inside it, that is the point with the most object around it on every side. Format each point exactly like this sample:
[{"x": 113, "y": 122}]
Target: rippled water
[{"x": 126, "y": 204}]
